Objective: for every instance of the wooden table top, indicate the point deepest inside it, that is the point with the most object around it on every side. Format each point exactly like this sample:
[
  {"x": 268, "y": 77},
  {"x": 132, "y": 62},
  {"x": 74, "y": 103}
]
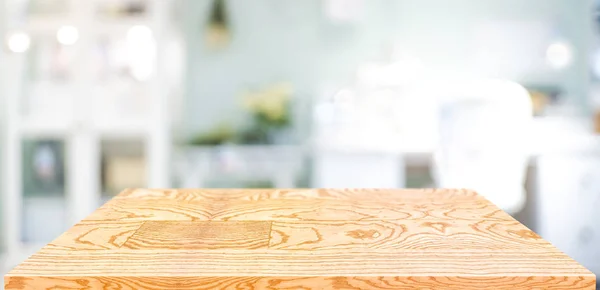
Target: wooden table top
[{"x": 299, "y": 239}]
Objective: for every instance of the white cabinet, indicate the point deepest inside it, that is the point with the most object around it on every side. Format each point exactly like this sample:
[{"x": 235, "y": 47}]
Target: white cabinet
[
  {"x": 569, "y": 204},
  {"x": 79, "y": 92}
]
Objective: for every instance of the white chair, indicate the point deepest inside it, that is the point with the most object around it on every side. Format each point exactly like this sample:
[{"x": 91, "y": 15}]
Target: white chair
[
  {"x": 357, "y": 169},
  {"x": 483, "y": 128},
  {"x": 355, "y": 141}
]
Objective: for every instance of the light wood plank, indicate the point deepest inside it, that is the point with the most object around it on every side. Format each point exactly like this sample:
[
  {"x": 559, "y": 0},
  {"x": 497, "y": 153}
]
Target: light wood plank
[
  {"x": 306, "y": 283},
  {"x": 125, "y": 262},
  {"x": 299, "y": 239}
]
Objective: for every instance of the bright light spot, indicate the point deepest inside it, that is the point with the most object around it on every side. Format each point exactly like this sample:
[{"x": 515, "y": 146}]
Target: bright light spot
[
  {"x": 141, "y": 52},
  {"x": 559, "y": 55},
  {"x": 19, "y": 42},
  {"x": 67, "y": 35}
]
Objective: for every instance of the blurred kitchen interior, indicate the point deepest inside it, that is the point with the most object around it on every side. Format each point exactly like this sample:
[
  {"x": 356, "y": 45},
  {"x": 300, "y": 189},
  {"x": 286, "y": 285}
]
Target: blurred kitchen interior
[{"x": 501, "y": 96}]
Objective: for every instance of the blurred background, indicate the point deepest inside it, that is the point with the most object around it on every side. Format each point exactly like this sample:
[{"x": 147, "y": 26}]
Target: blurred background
[{"x": 501, "y": 96}]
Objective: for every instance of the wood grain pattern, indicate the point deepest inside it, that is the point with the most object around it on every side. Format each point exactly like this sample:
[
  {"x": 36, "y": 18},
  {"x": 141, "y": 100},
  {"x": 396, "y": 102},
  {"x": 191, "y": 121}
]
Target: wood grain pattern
[
  {"x": 430, "y": 235},
  {"x": 299, "y": 239},
  {"x": 96, "y": 236},
  {"x": 201, "y": 235}
]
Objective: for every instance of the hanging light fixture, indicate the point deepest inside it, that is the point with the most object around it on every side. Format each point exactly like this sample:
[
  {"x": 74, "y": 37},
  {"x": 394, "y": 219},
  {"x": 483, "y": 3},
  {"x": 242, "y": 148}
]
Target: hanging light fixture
[{"x": 217, "y": 34}]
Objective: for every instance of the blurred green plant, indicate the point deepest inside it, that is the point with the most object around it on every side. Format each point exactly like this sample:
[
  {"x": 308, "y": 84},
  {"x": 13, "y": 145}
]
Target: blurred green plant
[
  {"x": 259, "y": 184},
  {"x": 269, "y": 109},
  {"x": 221, "y": 134},
  {"x": 270, "y": 106}
]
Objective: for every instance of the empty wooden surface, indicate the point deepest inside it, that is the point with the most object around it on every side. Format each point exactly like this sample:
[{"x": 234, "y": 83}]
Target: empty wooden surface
[{"x": 299, "y": 239}]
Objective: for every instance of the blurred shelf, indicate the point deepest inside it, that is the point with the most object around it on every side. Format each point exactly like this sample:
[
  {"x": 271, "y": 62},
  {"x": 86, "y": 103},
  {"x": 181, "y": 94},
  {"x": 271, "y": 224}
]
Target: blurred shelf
[
  {"x": 121, "y": 24},
  {"x": 97, "y": 88},
  {"x": 45, "y": 24},
  {"x": 123, "y": 128},
  {"x": 279, "y": 165},
  {"x": 44, "y": 127},
  {"x": 122, "y": 10},
  {"x": 50, "y": 24},
  {"x": 241, "y": 148},
  {"x": 48, "y": 127}
]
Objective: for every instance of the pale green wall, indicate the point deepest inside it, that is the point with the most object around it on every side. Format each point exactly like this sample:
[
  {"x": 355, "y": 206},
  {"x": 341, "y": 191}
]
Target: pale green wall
[
  {"x": 267, "y": 46},
  {"x": 293, "y": 40}
]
